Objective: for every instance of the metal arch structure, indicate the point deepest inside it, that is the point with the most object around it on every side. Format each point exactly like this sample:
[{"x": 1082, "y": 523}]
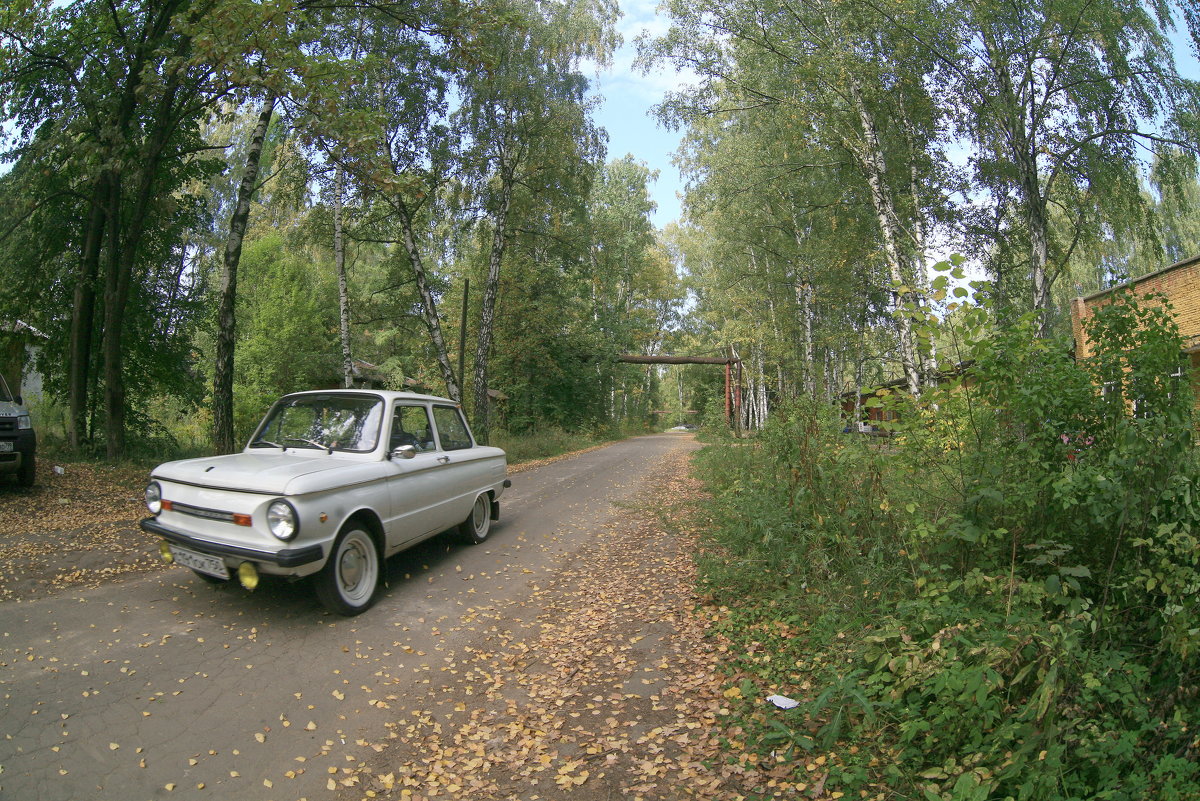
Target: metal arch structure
[{"x": 733, "y": 377}]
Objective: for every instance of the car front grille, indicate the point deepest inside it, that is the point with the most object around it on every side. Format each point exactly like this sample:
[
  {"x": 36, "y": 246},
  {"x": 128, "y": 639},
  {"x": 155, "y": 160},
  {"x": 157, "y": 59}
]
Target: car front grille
[{"x": 199, "y": 511}]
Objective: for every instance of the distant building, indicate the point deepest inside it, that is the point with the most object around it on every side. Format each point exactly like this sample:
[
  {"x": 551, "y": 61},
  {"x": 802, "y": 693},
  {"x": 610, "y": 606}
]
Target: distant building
[
  {"x": 19, "y": 345},
  {"x": 1179, "y": 283}
]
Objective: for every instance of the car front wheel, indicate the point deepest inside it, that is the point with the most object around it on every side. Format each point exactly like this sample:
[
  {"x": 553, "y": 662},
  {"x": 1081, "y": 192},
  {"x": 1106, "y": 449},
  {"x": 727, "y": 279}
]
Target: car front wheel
[
  {"x": 350, "y": 580},
  {"x": 475, "y": 528}
]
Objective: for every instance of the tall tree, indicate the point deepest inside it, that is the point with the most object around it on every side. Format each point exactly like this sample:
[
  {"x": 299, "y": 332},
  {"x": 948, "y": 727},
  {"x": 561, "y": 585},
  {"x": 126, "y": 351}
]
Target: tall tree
[
  {"x": 527, "y": 124},
  {"x": 223, "y": 425},
  {"x": 840, "y": 82},
  {"x": 1057, "y": 97},
  {"x": 114, "y": 95}
]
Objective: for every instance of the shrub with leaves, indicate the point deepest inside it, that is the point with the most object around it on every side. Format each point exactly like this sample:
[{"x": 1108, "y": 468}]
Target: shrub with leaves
[{"x": 999, "y": 601}]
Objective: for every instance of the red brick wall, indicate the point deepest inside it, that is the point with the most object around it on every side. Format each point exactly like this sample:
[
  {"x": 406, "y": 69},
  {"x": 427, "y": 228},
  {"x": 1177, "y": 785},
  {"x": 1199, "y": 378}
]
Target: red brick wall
[{"x": 1180, "y": 283}]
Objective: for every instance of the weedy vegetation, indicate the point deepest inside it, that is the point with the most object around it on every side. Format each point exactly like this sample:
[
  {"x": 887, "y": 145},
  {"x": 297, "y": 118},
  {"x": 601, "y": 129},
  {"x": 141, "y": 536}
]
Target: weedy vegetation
[{"x": 998, "y": 601}]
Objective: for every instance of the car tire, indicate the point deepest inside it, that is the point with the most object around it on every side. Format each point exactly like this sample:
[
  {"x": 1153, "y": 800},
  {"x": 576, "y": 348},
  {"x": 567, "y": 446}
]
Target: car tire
[
  {"x": 475, "y": 528},
  {"x": 350, "y": 581},
  {"x": 216, "y": 580},
  {"x": 28, "y": 470}
]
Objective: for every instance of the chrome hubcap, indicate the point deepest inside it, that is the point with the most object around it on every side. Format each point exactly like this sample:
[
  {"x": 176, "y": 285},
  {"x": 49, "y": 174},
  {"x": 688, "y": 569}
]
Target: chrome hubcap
[{"x": 351, "y": 566}]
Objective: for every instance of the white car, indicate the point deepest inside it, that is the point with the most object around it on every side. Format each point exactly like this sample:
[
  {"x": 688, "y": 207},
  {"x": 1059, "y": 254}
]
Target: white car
[{"x": 331, "y": 484}]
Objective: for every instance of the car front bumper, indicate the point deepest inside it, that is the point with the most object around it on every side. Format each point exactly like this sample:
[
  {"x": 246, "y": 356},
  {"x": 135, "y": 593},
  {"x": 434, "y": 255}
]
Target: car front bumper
[
  {"x": 23, "y": 447},
  {"x": 288, "y": 559}
]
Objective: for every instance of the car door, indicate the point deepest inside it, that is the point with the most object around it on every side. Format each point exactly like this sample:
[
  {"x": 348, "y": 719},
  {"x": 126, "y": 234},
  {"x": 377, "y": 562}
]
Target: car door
[
  {"x": 417, "y": 488},
  {"x": 464, "y": 474}
]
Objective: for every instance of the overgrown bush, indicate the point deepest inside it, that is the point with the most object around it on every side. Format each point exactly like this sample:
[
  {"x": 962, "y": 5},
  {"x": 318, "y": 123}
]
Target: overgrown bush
[
  {"x": 1000, "y": 600},
  {"x": 541, "y": 443}
]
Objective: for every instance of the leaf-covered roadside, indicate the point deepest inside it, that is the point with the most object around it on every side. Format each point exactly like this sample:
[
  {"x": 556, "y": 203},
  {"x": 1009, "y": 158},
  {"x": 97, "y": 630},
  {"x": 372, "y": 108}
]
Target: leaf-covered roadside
[
  {"x": 615, "y": 690},
  {"x": 998, "y": 602},
  {"x": 77, "y": 527}
]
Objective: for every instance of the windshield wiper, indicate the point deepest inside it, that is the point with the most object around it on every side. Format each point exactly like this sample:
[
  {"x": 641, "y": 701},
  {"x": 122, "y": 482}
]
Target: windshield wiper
[
  {"x": 314, "y": 443},
  {"x": 267, "y": 442}
]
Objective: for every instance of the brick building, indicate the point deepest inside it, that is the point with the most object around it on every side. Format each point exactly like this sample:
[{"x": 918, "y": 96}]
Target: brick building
[{"x": 1180, "y": 283}]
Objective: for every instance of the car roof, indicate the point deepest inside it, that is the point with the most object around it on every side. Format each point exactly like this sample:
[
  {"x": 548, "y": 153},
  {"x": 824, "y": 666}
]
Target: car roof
[{"x": 386, "y": 394}]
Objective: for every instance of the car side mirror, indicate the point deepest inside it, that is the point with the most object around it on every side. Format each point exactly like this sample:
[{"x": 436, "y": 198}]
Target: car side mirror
[{"x": 404, "y": 452}]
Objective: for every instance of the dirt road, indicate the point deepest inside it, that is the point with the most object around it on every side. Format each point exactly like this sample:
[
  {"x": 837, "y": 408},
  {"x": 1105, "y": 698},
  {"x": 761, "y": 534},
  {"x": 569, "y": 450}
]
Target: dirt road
[{"x": 561, "y": 656}]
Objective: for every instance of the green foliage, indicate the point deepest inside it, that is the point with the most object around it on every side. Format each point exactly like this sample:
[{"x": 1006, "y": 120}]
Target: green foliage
[
  {"x": 999, "y": 600},
  {"x": 289, "y": 308},
  {"x": 541, "y": 443}
]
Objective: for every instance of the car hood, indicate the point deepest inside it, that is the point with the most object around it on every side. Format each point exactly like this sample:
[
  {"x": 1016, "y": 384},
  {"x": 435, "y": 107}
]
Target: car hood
[
  {"x": 269, "y": 473},
  {"x": 10, "y": 409}
]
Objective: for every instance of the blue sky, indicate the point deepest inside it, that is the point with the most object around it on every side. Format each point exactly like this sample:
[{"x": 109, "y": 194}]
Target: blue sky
[{"x": 629, "y": 97}]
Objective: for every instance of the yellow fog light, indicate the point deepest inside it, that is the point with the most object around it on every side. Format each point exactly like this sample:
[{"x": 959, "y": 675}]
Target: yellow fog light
[
  {"x": 164, "y": 550},
  {"x": 247, "y": 575}
]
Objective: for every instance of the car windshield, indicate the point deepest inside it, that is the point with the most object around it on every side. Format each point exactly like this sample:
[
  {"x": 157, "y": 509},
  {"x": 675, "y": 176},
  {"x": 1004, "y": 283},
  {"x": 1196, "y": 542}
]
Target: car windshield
[
  {"x": 323, "y": 422},
  {"x": 5, "y": 395}
]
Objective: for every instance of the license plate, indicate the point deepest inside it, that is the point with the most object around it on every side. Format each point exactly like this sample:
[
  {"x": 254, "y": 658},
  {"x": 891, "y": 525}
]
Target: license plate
[
  {"x": 200, "y": 561},
  {"x": 6, "y": 447}
]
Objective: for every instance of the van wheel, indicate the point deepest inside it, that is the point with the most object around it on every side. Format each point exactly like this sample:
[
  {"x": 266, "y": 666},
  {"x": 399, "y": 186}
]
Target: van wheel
[
  {"x": 350, "y": 581},
  {"x": 475, "y": 528}
]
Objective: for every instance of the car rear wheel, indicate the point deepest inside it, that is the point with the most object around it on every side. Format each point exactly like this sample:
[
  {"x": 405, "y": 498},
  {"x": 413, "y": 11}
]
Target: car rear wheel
[
  {"x": 350, "y": 580},
  {"x": 475, "y": 528}
]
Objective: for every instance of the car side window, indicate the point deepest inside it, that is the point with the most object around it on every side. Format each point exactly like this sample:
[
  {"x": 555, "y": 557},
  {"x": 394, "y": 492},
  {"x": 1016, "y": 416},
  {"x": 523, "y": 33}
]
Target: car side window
[
  {"x": 452, "y": 429},
  {"x": 410, "y": 426}
]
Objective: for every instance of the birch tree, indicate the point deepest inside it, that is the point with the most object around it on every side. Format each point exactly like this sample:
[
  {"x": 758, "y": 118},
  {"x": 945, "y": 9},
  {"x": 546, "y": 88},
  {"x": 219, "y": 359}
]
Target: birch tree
[
  {"x": 1062, "y": 101},
  {"x": 223, "y": 428},
  {"x": 850, "y": 88}
]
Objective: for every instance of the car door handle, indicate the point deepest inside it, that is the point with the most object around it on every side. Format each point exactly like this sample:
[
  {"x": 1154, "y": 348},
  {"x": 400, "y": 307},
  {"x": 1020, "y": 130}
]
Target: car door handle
[{"x": 443, "y": 459}]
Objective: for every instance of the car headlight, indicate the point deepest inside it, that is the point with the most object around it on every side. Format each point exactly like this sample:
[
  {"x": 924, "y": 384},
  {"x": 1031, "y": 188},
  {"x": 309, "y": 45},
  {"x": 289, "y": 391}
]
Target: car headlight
[
  {"x": 281, "y": 519},
  {"x": 24, "y": 422},
  {"x": 154, "y": 497}
]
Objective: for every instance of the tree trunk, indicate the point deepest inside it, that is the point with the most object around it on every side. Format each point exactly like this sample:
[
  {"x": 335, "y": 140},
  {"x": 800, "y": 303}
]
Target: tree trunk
[
  {"x": 116, "y": 293},
  {"x": 83, "y": 316},
  {"x": 428, "y": 305},
  {"x": 124, "y": 239},
  {"x": 871, "y": 158},
  {"x": 223, "y": 435},
  {"x": 1035, "y": 218},
  {"x": 927, "y": 357},
  {"x": 481, "y": 423},
  {"x": 339, "y": 260},
  {"x": 804, "y": 304}
]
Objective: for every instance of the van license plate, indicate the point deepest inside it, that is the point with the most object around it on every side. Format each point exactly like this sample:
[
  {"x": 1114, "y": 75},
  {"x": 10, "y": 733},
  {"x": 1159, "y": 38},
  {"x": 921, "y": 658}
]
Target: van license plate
[{"x": 210, "y": 565}]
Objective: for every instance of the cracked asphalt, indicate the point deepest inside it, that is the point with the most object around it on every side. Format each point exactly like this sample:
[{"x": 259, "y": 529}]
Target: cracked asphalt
[{"x": 158, "y": 685}]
